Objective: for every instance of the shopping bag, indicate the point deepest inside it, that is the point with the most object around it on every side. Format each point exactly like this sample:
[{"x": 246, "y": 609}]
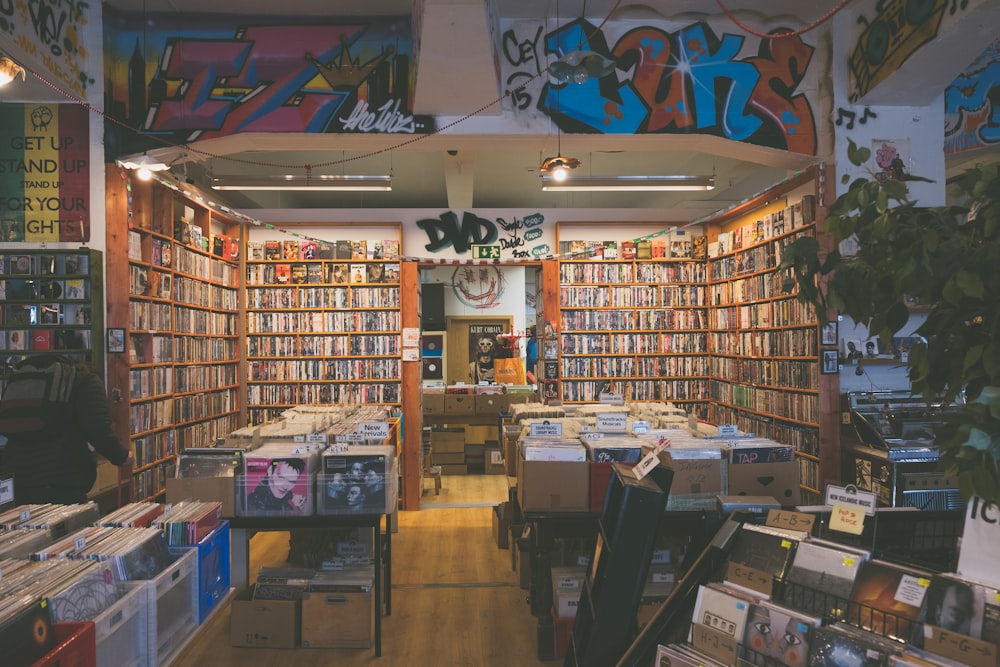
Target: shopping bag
[{"x": 508, "y": 371}]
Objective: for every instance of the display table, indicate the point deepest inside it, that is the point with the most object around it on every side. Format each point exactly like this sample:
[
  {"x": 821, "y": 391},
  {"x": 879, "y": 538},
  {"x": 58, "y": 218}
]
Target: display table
[{"x": 242, "y": 528}]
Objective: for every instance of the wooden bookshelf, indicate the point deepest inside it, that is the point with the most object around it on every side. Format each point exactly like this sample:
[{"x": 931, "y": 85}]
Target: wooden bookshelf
[
  {"x": 178, "y": 300},
  {"x": 322, "y": 326},
  {"x": 765, "y": 346},
  {"x": 636, "y": 327}
]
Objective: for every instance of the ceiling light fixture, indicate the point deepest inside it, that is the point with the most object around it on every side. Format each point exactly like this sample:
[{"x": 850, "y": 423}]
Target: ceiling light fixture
[
  {"x": 558, "y": 167},
  {"x": 292, "y": 182},
  {"x": 144, "y": 165},
  {"x": 629, "y": 184},
  {"x": 9, "y": 71}
]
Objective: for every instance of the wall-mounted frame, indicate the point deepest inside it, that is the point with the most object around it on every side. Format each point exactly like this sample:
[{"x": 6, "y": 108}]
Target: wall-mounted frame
[
  {"x": 828, "y": 334},
  {"x": 116, "y": 340},
  {"x": 831, "y": 362}
]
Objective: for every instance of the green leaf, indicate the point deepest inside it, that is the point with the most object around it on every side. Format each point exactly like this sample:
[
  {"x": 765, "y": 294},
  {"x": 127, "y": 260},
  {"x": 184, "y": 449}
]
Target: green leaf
[
  {"x": 972, "y": 356},
  {"x": 970, "y": 284},
  {"x": 897, "y": 316},
  {"x": 882, "y": 201}
]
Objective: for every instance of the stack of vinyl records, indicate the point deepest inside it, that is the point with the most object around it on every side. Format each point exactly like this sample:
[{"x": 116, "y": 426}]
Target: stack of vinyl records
[
  {"x": 133, "y": 515},
  {"x": 189, "y": 521},
  {"x": 27, "y": 528},
  {"x": 129, "y": 554},
  {"x": 358, "y": 478},
  {"x": 278, "y": 480},
  {"x": 210, "y": 462}
]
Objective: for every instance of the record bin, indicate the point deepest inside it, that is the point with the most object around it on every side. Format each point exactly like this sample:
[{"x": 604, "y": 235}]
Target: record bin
[
  {"x": 213, "y": 568},
  {"x": 173, "y": 607},
  {"x": 123, "y": 631},
  {"x": 76, "y": 647}
]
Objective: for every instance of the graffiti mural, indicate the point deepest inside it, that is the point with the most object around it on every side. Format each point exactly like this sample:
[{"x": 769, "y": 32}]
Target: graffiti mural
[
  {"x": 51, "y": 32},
  {"x": 972, "y": 104},
  {"x": 689, "y": 80},
  {"x": 517, "y": 238},
  {"x": 225, "y": 75},
  {"x": 898, "y": 30}
]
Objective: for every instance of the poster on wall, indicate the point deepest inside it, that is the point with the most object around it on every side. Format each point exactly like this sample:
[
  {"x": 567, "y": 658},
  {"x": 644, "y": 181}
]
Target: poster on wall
[
  {"x": 892, "y": 158},
  {"x": 484, "y": 349},
  {"x": 45, "y": 178}
]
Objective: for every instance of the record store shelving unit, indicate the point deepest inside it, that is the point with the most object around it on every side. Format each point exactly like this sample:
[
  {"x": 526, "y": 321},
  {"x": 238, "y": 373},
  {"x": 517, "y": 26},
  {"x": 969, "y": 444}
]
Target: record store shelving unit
[
  {"x": 718, "y": 337},
  {"x": 765, "y": 362},
  {"x": 636, "y": 327},
  {"x": 327, "y": 329},
  {"x": 176, "y": 382}
]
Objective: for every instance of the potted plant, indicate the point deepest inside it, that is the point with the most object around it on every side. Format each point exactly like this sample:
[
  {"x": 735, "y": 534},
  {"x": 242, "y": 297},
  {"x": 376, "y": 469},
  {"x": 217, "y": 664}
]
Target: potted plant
[{"x": 947, "y": 260}]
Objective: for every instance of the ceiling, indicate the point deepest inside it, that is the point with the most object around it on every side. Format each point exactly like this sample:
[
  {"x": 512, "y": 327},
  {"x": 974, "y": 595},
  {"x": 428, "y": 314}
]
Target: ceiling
[{"x": 466, "y": 166}]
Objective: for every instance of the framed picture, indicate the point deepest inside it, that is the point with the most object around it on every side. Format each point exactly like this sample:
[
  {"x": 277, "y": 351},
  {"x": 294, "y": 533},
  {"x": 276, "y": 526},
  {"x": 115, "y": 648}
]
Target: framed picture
[
  {"x": 116, "y": 340},
  {"x": 831, "y": 362},
  {"x": 828, "y": 334}
]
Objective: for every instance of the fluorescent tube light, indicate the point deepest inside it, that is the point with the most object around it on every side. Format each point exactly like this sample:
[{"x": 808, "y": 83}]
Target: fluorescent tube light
[
  {"x": 628, "y": 183},
  {"x": 300, "y": 182}
]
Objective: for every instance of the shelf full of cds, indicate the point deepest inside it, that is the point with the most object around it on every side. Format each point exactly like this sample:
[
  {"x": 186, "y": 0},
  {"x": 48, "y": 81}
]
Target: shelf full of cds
[
  {"x": 53, "y": 302},
  {"x": 632, "y": 322},
  {"x": 323, "y": 320},
  {"x": 178, "y": 370},
  {"x": 764, "y": 368}
]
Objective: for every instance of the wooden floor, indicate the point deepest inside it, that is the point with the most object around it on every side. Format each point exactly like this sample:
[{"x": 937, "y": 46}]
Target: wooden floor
[{"x": 455, "y": 600}]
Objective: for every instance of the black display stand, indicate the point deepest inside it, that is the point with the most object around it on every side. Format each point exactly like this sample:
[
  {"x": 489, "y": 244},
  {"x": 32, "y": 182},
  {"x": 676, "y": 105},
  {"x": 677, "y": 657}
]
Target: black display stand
[
  {"x": 243, "y": 528},
  {"x": 626, "y": 532}
]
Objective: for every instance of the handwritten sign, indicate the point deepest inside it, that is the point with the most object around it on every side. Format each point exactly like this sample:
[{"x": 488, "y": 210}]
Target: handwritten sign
[
  {"x": 847, "y": 519},
  {"x": 318, "y": 438},
  {"x": 6, "y": 491},
  {"x": 646, "y": 465},
  {"x": 611, "y": 399},
  {"x": 640, "y": 427},
  {"x": 749, "y": 577},
  {"x": 849, "y": 495},
  {"x": 792, "y": 520},
  {"x": 714, "y": 643},
  {"x": 961, "y": 648}
]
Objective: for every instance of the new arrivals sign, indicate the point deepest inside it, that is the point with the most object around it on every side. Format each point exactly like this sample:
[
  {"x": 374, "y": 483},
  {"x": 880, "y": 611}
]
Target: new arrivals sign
[{"x": 44, "y": 173}]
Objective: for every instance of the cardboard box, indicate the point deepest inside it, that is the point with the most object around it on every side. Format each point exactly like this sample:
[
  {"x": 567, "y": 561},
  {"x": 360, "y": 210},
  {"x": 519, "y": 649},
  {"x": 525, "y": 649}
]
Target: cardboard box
[
  {"x": 553, "y": 486},
  {"x": 492, "y": 404},
  {"x": 699, "y": 473},
  {"x": 337, "y": 619},
  {"x": 448, "y": 442},
  {"x": 493, "y": 462},
  {"x": 459, "y": 404},
  {"x": 753, "y": 475},
  {"x": 447, "y": 458},
  {"x": 433, "y": 404},
  {"x": 455, "y": 468},
  {"x": 264, "y": 623},
  {"x": 221, "y": 489}
]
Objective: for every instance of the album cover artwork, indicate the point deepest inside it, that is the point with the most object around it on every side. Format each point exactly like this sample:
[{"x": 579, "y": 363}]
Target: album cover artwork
[
  {"x": 276, "y": 485},
  {"x": 957, "y": 605},
  {"x": 887, "y": 598},
  {"x": 355, "y": 481},
  {"x": 27, "y": 635},
  {"x": 821, "y": 578},
  {"x": 776, "y": 635},
  {"x": 721, "y": 610},
  {"x": 840, "y": 645},
  {"x": 431, "y": 345},
  {"x": 764, "y": 550},
  {"x": 433, "y": 368}
]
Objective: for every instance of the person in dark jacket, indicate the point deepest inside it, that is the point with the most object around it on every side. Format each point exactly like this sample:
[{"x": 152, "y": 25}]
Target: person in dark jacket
[{"x": 52, "y": 408}]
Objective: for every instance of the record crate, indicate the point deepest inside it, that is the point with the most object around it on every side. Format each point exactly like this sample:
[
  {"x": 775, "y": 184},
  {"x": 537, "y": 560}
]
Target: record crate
[
  {"x": 213, "y": 568},
  {"x": 173, "y": 607},
  {"x": 123, "y": 631},
  {"x": 75, "y": 648}
]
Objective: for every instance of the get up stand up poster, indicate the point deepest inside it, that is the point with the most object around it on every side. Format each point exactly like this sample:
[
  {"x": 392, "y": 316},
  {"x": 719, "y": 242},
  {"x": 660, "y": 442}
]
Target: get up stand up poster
[{"x": 44, "y": 173}]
